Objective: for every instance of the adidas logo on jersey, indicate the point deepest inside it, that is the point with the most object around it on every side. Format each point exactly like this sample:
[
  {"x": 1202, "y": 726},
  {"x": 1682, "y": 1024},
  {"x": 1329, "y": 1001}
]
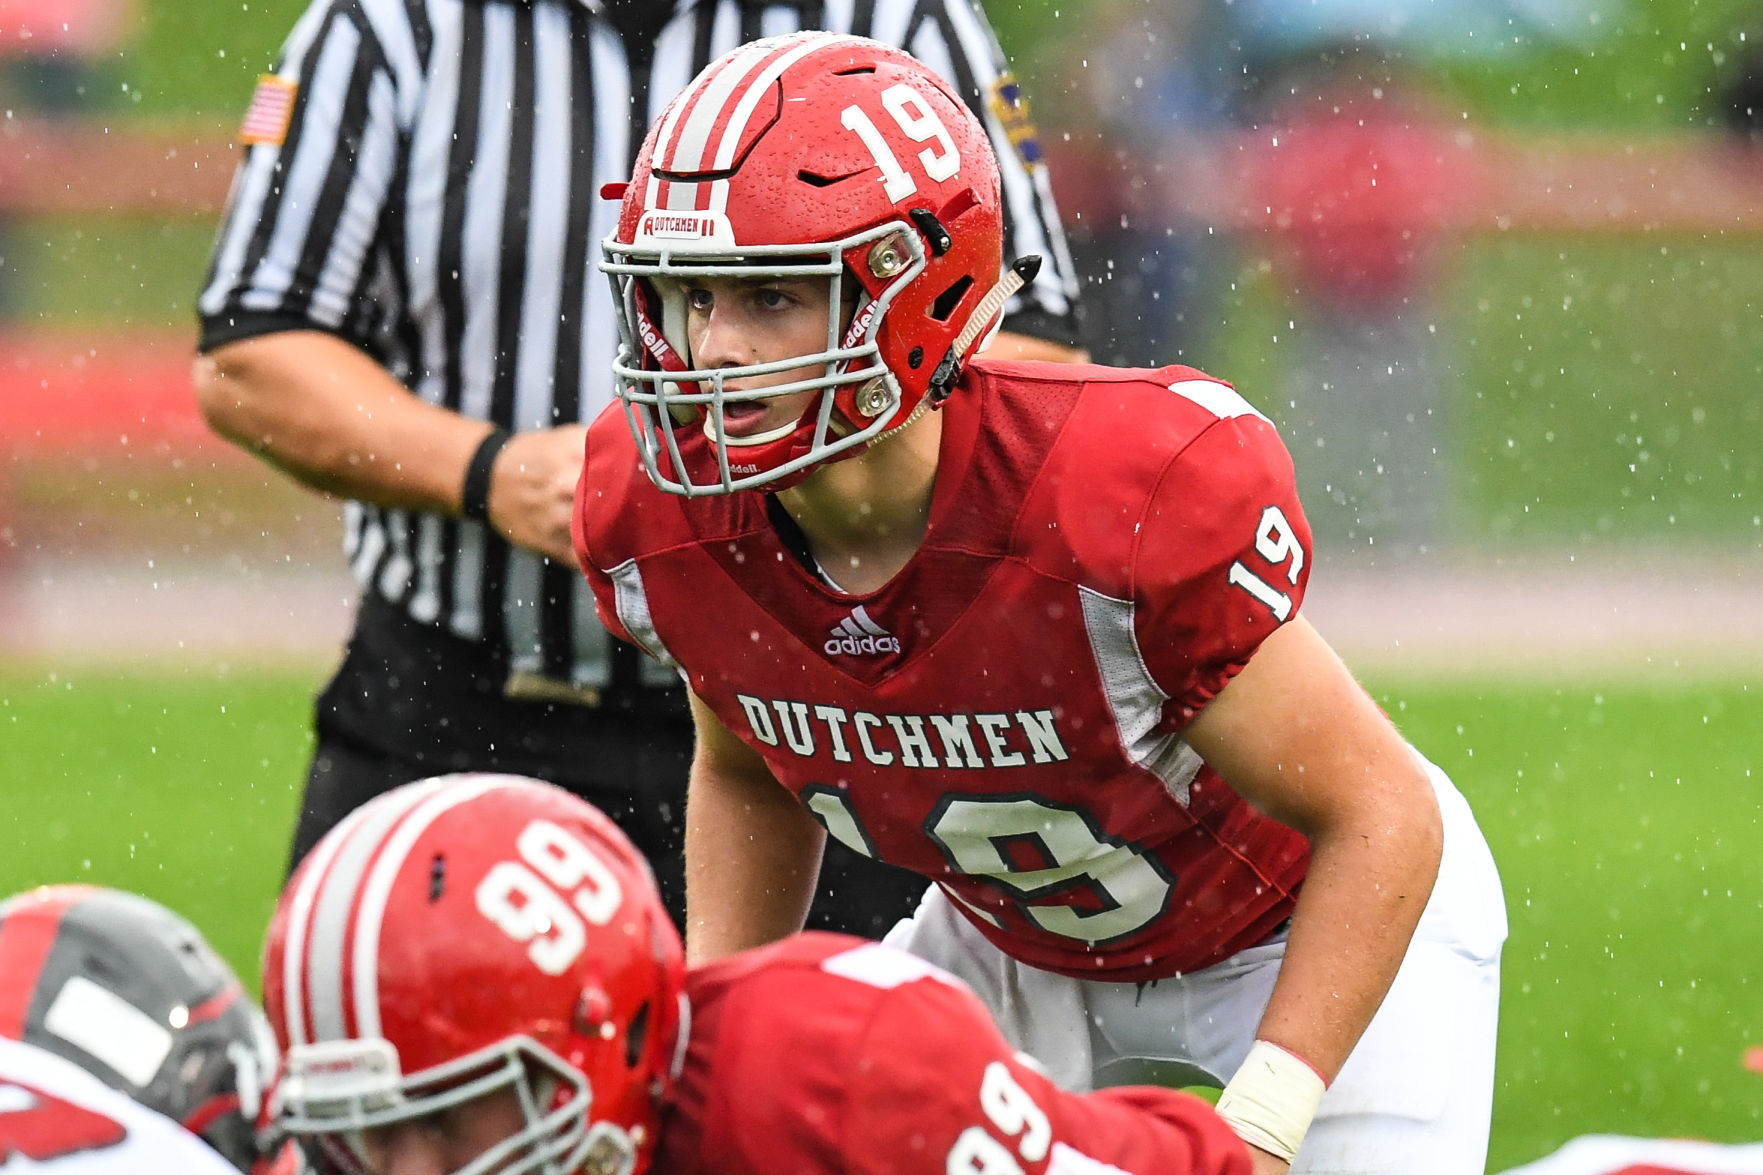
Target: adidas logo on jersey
[{"x": 857, "y": 634}]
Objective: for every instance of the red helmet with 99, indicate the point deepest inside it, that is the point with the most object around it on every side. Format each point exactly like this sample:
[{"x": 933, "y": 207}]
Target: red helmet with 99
[
  {"x": 476, "y": 935},
  {"x": 133, "y": 994},
  {"x": 815, "y": 154}
]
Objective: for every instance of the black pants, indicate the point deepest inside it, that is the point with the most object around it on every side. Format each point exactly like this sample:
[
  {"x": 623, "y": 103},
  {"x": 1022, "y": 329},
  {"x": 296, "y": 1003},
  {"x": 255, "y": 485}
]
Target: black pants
[
  {"x": 411, "y": 701},
  {"x": 856, "y": 895},
  {"x": 344, "y": 776}
]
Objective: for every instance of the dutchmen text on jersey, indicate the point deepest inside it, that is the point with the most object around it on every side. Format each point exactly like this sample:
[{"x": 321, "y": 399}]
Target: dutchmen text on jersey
[{"x": 1004, "y": 715}]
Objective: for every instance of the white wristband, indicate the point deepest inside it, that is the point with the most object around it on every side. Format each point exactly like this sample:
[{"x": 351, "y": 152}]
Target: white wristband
[{"x": 1270, "y": 1101}]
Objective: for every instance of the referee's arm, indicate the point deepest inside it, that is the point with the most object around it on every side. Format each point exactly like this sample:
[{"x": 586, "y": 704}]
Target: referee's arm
[
  {"x": 325, "y": 413},
  {"x": 280, "y": 379}
]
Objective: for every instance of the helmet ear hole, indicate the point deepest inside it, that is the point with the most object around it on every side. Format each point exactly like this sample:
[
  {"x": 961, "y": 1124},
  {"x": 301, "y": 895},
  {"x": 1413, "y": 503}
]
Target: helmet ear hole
[
  {"x": 950, "y": 298},
  {"x": 636, "y": 1036}
]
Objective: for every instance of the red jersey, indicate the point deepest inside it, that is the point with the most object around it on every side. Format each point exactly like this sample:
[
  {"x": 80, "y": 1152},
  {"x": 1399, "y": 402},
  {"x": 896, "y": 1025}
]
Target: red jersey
[
  {"x": 1105, "y": 550},
  {"x": 827, "y": 1054}
]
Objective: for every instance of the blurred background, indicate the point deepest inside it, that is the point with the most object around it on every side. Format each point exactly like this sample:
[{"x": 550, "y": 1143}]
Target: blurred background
[{"x": 1495, "y": 268}]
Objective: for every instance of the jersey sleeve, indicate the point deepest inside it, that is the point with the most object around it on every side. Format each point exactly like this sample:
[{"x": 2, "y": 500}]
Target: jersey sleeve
[
  {"x": 826, "y": 1054},
  {"x": 1223, "y": 557},
  {"x": 958, "y": 43},
  {"x": 936, "y": 1088},
  {"x": 602, "y": 515},
  {"x": 322, "y": 142},
  {"x": 587, "y": 537}
]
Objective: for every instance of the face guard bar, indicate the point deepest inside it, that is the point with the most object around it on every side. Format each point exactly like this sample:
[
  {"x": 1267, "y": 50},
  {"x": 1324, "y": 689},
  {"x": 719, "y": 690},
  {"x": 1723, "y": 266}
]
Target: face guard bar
[
  {"x": 335, "y": 1090},
  {"x": 673, "y": 409}
]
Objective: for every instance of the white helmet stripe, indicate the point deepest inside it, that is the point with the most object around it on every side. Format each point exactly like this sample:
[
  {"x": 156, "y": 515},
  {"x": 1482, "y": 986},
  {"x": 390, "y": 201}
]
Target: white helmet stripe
[
  {"x": 683, "y": 196},
  {"x": 365, "y": 958},
  {"x": 677, "y": 110},
  {"x": 670, "y": 119},
  {"x": 299, "y": 915},
  {"x": 760, "y": 86},
  {"x": 312, "y": 968},
  {"x": 694, "y": 136}
]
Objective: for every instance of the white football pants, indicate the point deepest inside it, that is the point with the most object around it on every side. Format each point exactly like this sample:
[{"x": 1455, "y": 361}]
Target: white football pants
[{"x": 1415, "y": 1095}]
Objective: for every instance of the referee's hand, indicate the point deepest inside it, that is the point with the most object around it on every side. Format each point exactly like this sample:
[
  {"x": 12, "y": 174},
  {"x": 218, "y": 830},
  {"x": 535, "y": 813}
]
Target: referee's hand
[{"x": 532, "y": 490}]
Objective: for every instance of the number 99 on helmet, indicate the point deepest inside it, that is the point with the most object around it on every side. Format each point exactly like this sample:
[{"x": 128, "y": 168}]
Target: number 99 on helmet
[{"x": 468, "y": 937}]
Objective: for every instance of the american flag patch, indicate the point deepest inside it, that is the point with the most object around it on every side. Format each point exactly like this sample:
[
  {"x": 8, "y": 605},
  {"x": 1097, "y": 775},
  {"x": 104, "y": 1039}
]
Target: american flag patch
[{"x": 266, "y": 119}]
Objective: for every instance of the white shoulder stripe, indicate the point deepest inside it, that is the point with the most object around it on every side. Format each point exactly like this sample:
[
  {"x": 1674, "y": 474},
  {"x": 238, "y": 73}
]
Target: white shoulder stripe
[
  {"x": 1219, "y": 399},
  {"x": 1134, "y": 697},
  {"x": 884, "y": 967},
  {"x": 631, "y": 601}
]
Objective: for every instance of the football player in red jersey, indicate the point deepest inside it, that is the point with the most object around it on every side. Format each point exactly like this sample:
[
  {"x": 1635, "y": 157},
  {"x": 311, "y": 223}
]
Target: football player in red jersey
[
  {"x": 475, "y": 974},
  {"x": 1032, "y": 631}
]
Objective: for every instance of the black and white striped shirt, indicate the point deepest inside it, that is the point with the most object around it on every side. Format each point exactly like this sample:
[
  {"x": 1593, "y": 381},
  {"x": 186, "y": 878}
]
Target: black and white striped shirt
[{"x": 435, "y": 201}]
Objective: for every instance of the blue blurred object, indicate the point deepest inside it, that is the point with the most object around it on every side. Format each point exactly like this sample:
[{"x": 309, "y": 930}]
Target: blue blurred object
[{"x": 1437, "y": 29}]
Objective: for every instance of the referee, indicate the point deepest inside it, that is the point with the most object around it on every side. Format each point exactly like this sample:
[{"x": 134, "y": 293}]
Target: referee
[{"x": 402, "y": 311}]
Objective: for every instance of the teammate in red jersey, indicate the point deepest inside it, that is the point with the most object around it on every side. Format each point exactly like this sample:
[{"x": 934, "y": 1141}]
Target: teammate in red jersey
[
  {"x": 1031, "y": 631},
  {"x": 475, "y": 973}
]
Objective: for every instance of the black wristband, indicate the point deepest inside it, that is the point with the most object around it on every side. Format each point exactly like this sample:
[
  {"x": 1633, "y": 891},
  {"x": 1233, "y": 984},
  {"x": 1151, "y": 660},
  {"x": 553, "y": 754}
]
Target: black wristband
[{"x": 474, "y": 498}]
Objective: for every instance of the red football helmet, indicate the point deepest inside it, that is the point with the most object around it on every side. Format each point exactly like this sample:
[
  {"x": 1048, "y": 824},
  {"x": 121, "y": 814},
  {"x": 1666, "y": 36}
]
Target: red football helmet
[
  {"x": 471, "y": 934},
  {"x": 811, "y": 154}
]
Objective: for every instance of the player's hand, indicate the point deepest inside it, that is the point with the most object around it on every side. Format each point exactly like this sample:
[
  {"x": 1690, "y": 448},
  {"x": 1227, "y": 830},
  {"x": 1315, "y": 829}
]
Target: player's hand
[
  {"x": 1262, "y": 1163},
  {"x": 532, "y": 490}
]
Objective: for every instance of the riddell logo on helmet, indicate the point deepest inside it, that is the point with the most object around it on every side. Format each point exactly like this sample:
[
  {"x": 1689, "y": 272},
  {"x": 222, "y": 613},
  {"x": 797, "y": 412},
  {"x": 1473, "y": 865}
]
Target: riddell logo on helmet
[
  {"x": 857, "y": 634},
  {"x": 859, "y": 325},
  {"x": 651, "y": 337}
]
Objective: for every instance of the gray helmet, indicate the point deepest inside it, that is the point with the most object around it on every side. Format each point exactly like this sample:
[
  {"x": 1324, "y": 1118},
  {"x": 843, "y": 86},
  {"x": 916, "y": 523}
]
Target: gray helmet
[{"x": 133, "y": 994}]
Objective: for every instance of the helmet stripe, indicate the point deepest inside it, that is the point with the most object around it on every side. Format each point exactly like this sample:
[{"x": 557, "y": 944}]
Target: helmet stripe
[
  {"x": 707, "y": 107},
  {"x": 215, "y": 1005},
  {"x": 761, "y": 85},
  {"x": 27, "y": 935},
  {"x": 315, "y": 969},
  {"x": 664, "y": 141},
  {"x": 371, "y": 910},
  {"x": 299, "y": 916}
]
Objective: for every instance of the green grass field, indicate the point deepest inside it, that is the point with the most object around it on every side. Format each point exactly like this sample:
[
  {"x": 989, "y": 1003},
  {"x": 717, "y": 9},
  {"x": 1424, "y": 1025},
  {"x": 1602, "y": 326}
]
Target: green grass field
[
  {"x": 1626, "y": 821},
  {"x": 1598, "y": 388}
]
